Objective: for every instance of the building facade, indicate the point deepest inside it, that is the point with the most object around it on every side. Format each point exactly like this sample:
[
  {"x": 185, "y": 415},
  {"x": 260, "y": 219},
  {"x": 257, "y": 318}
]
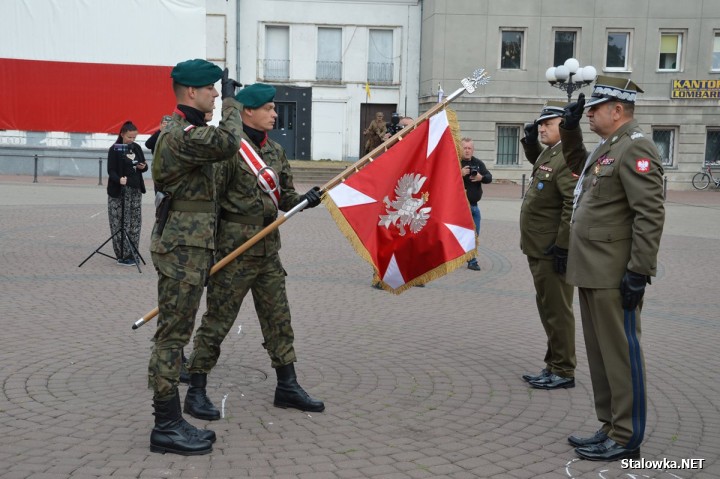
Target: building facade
[
  {"x": 334, "y": 64},
  {"x": 670, "y": 49}
]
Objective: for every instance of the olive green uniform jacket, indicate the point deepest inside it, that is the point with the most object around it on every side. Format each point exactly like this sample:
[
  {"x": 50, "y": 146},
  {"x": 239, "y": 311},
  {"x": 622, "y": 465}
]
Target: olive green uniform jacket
[
  {"x": 619, "y": 215},
  {"x": 547, "y": 207}
]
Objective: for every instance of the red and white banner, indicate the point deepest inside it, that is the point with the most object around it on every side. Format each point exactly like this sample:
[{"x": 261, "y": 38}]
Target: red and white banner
[
  {"x": 89, "y": 66},
  {"x": 407, "y": 213}
]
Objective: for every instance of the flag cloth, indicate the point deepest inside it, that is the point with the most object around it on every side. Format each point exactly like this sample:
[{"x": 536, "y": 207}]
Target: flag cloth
[
  {"x": 406, "y": 213},
  {"x": 367, "y": 91}
]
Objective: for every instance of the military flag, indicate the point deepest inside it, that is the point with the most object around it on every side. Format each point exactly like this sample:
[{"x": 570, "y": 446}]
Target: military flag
[{"x": 406, "y": 213}]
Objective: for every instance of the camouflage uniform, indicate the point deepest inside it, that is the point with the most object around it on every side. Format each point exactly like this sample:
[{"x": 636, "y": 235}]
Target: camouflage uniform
[
  {"x": 183, "y": 166},
  {"x": 245, "y": 209}
]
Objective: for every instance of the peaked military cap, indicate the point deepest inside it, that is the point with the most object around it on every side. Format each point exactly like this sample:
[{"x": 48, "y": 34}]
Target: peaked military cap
[
  {"x": 613, "y": 89},
  {"x": 256, "y": 95},
  {"x": 551, "y": 109},
  {"x": 196, "y": 73}
]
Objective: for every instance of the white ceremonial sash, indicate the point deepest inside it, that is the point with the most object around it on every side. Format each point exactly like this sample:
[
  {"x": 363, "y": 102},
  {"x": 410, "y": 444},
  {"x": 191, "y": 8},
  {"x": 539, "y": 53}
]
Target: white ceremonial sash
[{"x": 266, "y": 176}]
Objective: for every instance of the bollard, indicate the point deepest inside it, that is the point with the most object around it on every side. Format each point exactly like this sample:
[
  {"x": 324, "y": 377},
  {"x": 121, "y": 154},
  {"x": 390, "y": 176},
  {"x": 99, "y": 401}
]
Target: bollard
[
  {"x": 99, "y": 171},
  {"x": 665, "y": 187},
  {"x": 35, "y": 174},
  {"x": 522, "y": 192}
]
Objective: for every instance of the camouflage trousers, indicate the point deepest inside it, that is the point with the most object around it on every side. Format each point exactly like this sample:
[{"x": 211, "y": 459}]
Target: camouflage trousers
[
  {"x": 265, "y": 277},
  {"x": 181, "y": 282}
]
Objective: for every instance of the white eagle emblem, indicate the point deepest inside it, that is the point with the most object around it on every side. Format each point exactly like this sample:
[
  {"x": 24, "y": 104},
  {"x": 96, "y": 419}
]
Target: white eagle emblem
[{"x": 406, "y": 210}]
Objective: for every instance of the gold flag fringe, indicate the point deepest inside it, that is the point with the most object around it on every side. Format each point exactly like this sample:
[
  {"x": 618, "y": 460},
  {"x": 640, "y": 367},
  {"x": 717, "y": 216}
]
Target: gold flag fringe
[{"x": 362, "y": 251}]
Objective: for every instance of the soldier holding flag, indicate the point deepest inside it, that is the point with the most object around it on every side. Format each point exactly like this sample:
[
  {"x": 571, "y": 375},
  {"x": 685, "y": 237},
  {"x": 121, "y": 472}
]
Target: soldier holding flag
[{"x": 254, "y": 185}]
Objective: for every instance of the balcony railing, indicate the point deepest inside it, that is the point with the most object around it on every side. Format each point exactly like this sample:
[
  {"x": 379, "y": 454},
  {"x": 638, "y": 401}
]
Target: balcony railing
[
  {"x": 276, "y": 69},
  {"x": 329, "y": 71},
  {"x": 380, "y": 72}
]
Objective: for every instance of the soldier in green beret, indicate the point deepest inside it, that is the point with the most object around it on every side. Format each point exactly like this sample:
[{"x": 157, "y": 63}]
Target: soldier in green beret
[
  {"x": 544, "y": 238},
  {"x": 183, "y": 237},
  {"x": 254, "y": 185},
  {"x": 617, "y": 222}
]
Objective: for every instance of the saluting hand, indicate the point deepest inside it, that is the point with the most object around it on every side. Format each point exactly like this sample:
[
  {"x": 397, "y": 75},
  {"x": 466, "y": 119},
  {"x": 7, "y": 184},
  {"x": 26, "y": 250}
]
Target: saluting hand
[
  {"x": 531, "y": 133},
  {"x": 573, "y": 113}
]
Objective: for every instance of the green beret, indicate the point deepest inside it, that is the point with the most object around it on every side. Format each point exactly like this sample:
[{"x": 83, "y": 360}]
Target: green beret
[
  {"x": 256, "y": 95},
  {"x": 196, "y": 73}
]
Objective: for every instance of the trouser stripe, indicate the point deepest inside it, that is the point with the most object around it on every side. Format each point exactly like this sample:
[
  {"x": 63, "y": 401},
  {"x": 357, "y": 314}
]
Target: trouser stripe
[{"x": 638, "y": 385}]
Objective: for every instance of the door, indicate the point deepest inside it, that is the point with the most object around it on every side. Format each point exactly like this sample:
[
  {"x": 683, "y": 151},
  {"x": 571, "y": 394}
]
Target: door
[
  {"x": 367, "y": 114},
  {"x": 284, "y": 130}
]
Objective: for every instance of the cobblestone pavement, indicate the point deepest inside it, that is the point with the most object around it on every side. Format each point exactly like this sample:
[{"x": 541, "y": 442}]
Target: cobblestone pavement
[{"x": 425, "y": 384}]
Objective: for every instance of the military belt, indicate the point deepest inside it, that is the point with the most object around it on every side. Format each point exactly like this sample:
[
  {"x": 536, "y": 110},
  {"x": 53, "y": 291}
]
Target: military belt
[
  {"x": 193, "y": 206},
  {"x": 246, "y": 220}
]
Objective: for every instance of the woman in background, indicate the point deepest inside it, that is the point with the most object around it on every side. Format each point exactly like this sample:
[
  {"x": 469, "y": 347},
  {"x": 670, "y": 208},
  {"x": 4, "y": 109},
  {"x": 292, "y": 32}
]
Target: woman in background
[{"x": 126, "y": 164}]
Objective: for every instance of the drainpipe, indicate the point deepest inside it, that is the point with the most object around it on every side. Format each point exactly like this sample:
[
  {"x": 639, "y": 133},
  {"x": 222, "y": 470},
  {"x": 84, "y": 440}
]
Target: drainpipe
[{"x": 237, "y": 40}]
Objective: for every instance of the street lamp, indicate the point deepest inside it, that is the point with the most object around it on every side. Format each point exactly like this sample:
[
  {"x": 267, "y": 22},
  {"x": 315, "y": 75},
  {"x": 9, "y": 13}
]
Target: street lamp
[{"x": 570, "y": 76}]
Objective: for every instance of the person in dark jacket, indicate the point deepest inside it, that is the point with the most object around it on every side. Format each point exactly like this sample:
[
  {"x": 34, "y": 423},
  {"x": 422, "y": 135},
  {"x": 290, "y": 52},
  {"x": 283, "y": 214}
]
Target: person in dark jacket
[
  {"x": 474, "y": 173},
  {"x": 150, "y": 142},
  {"x": 125, "y": 166}
]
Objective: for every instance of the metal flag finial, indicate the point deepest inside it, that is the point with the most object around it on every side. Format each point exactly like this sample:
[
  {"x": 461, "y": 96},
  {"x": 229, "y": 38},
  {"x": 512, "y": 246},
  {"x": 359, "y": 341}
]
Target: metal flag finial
[{"x": 479, "y": 77}]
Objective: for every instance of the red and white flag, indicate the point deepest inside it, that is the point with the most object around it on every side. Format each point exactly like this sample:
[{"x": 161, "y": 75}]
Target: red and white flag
[{"x": 407, "y": 213}]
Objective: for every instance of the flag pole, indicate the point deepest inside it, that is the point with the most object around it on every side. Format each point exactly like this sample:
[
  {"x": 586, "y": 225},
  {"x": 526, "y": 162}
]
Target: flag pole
[{"x": 479, "y": 77}]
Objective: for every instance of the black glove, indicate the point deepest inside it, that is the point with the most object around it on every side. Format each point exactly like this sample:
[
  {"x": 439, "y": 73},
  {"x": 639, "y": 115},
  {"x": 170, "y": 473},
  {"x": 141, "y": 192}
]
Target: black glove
[
  {"x": 313, "y": 197},
  {"x": 632, "y": 289},
  {"x": 573, "y": 113},
  {"x": 227, "y": 85},
  {"x": 531, "y": 133},
  {"x": 560, "y": 257}
]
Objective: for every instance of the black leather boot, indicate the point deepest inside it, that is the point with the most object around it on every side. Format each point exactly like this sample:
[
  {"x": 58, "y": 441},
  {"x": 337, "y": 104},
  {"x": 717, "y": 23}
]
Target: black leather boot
[
  {"x": 288, "y": 392},
  {"x": 171, "y": 435},
  {"x": 197, "y": 404},
  {"x": 205, "y": 434}
]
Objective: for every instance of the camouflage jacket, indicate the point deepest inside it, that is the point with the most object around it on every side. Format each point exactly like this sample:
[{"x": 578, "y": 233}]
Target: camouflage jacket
[
  {"x": 240, "y": 194},
  {"x": 183, "y": 166}
]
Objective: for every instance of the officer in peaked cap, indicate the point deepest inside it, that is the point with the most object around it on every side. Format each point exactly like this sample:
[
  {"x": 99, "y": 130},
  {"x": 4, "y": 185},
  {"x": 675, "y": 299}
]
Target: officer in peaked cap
[
  {"x": 614, "y": 240},
  {"x": 247, "y": 206},
  {"x": 183, "y": 239},
  {"x": 544, "y": 239}
]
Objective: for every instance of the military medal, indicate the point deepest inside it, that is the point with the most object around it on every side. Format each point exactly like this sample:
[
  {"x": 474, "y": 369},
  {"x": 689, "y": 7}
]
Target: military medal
[{"x": 596, "y": 170}]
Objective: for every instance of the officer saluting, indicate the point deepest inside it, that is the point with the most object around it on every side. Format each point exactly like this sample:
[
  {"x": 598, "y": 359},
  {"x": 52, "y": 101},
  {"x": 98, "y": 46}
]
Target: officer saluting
[
  {"x": 183, "y": 237},
  {"x": 544, "y": 238},
  {"x": 614, "y": 240}
]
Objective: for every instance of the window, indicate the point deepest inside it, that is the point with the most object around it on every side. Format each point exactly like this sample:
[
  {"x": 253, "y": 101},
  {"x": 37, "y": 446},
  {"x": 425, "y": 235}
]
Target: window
[
  {"x": 380, "y": 57},
  {"x": 618, "y": 46},
  {"x": 511, "y": 46},
  {"x": 664, "y": 139},
  {"x": 276, "y": 65},
  {"x": 670, "y": 48},
  {"x": 712, "y": 147},
  {"x": 564, "y": 46},
  {"x": 508, "y": 145},
  {"x": 716, "y": 52},
  {"x": 329, "y": 54}
]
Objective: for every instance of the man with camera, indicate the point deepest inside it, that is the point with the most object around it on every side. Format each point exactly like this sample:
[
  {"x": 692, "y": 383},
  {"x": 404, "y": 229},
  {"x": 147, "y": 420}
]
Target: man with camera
[{"x": 474, "y": 174}]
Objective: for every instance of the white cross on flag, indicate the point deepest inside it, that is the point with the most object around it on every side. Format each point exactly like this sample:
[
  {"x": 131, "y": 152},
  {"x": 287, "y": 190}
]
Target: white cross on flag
[{"x": 406, "y": 213}]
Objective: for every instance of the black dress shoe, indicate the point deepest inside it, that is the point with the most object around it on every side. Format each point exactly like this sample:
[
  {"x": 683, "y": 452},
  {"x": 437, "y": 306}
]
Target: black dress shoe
[
  {"x": 607, "y": 450},
  {"x": 553, "y": 381},
  {"x": 597, "y": 438},
  {"x": 530, "y": 377}
]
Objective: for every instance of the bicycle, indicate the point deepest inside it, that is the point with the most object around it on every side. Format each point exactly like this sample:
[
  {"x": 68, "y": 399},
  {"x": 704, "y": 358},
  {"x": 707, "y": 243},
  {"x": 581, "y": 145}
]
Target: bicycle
[{"x": 702, "y": 180}]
